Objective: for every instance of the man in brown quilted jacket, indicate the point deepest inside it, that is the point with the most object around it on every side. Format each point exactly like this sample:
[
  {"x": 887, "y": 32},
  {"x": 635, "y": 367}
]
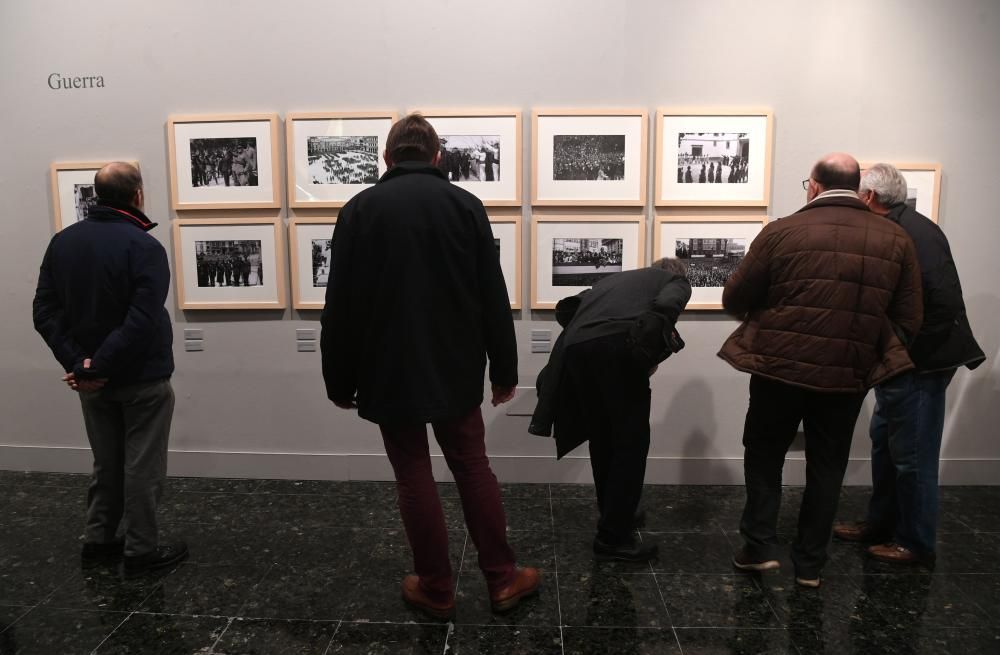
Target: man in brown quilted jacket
[{"x": 829, "y": 298}]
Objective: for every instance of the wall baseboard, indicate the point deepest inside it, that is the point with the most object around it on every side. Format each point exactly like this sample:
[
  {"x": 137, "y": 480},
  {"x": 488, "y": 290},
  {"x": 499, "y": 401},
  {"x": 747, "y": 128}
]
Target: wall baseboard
[{"x": 343, "y": 466}]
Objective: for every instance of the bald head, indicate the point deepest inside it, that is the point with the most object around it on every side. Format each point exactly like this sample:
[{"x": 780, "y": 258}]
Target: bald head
[
  {"x": 837, "y": 170},
  {"x": 119, "y": 182}
]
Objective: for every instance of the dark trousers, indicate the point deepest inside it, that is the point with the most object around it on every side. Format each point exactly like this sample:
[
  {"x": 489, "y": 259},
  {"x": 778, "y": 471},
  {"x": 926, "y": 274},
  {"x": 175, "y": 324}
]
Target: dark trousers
[
  {"x": 128, "y": 428},
  {"x": 612, "y": 396},
  {"x": 828, "y": 419},
  {"x": 906, "y": 431},
  {"x": 462, "y": 441}
]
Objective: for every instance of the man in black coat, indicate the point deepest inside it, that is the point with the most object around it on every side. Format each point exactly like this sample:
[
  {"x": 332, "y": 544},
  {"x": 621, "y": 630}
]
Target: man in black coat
[
  {"x": 596, "y": 388},
  {"x": 99, "y": 307},
  {"x": 415, "y": 303},
  {"x": 908, "y": 422}
]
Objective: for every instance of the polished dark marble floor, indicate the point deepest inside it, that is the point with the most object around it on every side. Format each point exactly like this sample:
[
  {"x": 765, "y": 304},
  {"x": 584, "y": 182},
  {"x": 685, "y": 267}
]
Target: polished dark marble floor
[{"x": 305, "y": 567}]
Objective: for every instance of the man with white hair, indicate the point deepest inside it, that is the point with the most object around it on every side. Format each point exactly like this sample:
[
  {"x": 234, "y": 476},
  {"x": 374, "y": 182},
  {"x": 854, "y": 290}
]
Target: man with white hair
[{"x": 909, "y": 413}]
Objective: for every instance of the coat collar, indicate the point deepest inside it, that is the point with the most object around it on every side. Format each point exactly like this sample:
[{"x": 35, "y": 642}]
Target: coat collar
[
  {"x": 407, "y": 167},
  {"x": 835, "y": 201},
  {"x": 107, "y": 210}
]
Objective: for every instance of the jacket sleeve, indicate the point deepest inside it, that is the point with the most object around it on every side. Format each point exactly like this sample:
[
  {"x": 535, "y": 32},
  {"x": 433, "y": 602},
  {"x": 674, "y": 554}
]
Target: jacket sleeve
[
  {"x": 672, "y": 299},
  {"x": 49, "y": 318},
  {"x": 150, "y": 279},
  {"x": 339, "y": 354},
  {"x": 942, "y": 296},
  {"x": 906, "y": 309},
  {"x": 746, "y": 288},
  {"x": 498, "y": 322}
]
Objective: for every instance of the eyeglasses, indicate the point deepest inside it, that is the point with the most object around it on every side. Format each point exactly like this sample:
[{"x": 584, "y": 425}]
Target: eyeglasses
[{"x": 805, "y": 183}]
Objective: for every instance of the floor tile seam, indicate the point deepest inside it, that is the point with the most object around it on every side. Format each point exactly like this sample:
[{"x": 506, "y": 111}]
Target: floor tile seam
[
  {"x": 28, "y": 610},
  {"x": 109, "y": 635},
  {"x": 253, "y": 588},
  {"x": 329, "y": 644},
  {"x": 221, "y": 635},
  {"x": 663, "y": 603}
]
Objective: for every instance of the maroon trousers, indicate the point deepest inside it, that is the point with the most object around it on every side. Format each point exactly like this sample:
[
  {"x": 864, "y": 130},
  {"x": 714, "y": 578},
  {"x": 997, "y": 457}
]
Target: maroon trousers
[{"x": 463, "y": 443}]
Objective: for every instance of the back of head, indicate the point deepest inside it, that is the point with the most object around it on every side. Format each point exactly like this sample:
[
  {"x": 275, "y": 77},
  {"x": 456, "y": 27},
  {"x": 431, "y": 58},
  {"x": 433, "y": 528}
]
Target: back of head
[
  {"x": 886, "y": 182},
  {"x": 837, "y": 171},
  {"x": 412, "y": 138},
  {"x": 118, "y": 182},
  {"x": 669, "y": 265}
]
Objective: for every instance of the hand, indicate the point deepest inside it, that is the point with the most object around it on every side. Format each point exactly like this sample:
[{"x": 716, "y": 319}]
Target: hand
[
  {"x": 502, "y": 395},
  {"x": 84, "y": 385}
]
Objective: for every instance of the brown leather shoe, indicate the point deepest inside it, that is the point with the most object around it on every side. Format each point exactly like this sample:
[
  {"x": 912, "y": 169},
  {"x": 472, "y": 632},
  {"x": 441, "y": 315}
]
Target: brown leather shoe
[
  {"x": 525, "y": 584},
  {"x": 856, "y": 531},
  {"x": 895, "y": 554},
  {"x": 415, "y": 596}
]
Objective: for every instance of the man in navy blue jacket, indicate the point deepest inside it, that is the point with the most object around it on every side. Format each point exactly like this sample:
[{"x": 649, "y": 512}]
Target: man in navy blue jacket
[{"x": 99, "y": 307}]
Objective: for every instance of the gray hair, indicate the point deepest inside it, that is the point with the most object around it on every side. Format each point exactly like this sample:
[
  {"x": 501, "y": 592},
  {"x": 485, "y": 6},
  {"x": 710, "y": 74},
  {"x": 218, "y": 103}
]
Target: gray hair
[
  {"x": 669, "y": 265},
  {"x": 886, "y": 182}
]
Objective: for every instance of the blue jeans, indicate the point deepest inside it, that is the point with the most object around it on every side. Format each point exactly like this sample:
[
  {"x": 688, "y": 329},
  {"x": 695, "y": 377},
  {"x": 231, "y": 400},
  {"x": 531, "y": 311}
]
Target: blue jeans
[{"x": 906, "y": 448}]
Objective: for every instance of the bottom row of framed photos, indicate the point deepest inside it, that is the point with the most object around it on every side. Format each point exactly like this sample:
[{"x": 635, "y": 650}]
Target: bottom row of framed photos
[{"x": 239, "y": 263}]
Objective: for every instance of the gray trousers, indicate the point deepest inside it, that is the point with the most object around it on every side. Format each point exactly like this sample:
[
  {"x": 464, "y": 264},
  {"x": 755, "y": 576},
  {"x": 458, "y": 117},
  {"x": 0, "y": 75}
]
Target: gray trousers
[{"x": 128, "y": 428}]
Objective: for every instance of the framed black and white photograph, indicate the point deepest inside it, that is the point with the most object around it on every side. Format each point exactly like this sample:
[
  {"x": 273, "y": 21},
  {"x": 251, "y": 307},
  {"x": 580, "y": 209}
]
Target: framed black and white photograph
[
  {"x": 481, "y": 152},
  {"x": 923, "y": 186},
  {"x": 588, "y": 157},
  {"x": 572, "y": 253},
  {"x": 234, "y": 263},
  {"x": 332, "y": 156},
  {"x": 73, "y": 191},
  {"x": 710, "y": 247},
  {"x": 507, "y": 237},
  {"x": 224, "y": 161},
  {"x": 310, "y": 242},
  {"x": 713, "y": 158}
]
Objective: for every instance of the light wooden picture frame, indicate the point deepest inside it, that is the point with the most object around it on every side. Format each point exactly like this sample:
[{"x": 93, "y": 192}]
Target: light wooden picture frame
[
  {"x": 712, "y": 248},
  {"x": 229, "y": 263},
  {"x": 481, "y": 151},
  {"x": 923, "y": 185},
  {"x": 713, "y": 157},
  {"x": 589, "y": 157},
  {"x": 309, "y": 255},
  {"x": 507, "y": 234},
  {"x": 224, "y": 161},
  {"x": 333, "y": 156},
  {"x": 570, "y": 253},
  {"x": 72, "y": 190}
]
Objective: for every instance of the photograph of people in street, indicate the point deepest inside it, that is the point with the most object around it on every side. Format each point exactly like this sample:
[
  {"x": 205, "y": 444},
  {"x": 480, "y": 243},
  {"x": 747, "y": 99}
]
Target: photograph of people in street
[
  {"x": 321, "y": 261},
  {"x": 712, "y": 157},
  {"x": 224, "y": 162},
  {"x": 467, "y": 157},
  {"x": 582, "y": 262},
  {"x": 588, "y": 157},
  {"x": 229, "y": 263},
  {"x": 710, "y": 262},
  {"x": 343, "y": 159},
  {"x": 84, "y": 197}
]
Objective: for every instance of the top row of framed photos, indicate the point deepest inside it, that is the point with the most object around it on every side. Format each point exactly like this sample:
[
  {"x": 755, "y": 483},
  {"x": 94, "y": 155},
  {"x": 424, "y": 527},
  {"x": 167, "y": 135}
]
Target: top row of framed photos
[{"x": 579, "y": 157}]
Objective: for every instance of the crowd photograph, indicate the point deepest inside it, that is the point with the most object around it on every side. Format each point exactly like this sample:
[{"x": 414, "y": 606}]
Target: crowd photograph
[
  {"x": 710, "y": 262},
  {"x": 84, "y": 197},
  {"x": 343, "y": 159},
  {"x": 582, "y": 262},
  {"x": 321, "y": 261},
  {"x": 225, "y": 161},
  {"x": 470, "y": 157},
  {"x": 229, "y": 263},
  {"x": 588, "y": 157},
  {"x": 712, "y": 157}
]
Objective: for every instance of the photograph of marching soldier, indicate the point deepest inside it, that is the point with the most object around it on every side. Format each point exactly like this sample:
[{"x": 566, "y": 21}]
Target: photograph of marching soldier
[
  {"x": 229, "y": 263},
  {"x": 710, "y": 262},
  {"x": 343, "y": 159},
  {"x": 582, "y": 262},
  {"x": 84, "y": 197},
  {"x": 712, "y": 157},
  {"x": 321, "y": 261},
  {"x": 588, "y": 157},
  {"x": 468, "y": 157},
  {"x": 224, "y": 162}
]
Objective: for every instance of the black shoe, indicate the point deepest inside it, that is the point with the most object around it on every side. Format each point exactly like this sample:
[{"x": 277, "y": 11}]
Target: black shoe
[
  {"x": 633, "y": 552},
  {"x": 161, "y": 558},
  {"x": 744, "y": 562},
  {"x": 94, "y": 554},
  {"x": 639, "y": 520}
]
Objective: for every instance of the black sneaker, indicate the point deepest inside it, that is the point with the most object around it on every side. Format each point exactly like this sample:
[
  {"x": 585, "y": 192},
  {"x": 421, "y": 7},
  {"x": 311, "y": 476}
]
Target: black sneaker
[
  {"x": 633, "y": 552},
  {"x": 161, "y": 558},
  {"x": 743, "y": 562},
  {"x": 94, "y": 554}
]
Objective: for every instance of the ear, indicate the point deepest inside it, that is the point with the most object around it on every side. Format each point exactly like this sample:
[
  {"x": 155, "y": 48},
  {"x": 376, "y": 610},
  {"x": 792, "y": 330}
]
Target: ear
[
  {"x": 437, "y": 158},
  {"x": 387, "y": 159}
]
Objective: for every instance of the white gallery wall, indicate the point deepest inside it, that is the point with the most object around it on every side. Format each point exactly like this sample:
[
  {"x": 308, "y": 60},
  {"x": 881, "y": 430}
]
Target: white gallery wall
[{"x": 898, "y": 80}]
